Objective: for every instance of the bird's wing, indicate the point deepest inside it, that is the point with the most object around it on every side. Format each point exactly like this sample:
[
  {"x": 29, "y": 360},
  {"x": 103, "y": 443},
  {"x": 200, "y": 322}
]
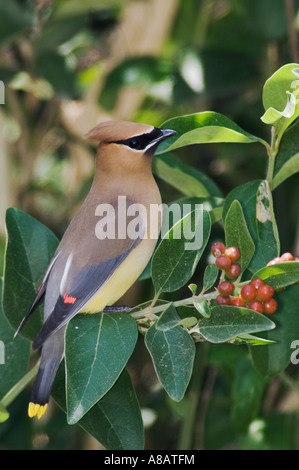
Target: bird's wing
[
  {"x": 78, "y": 274},
  {"x": 39, "y": 295}
]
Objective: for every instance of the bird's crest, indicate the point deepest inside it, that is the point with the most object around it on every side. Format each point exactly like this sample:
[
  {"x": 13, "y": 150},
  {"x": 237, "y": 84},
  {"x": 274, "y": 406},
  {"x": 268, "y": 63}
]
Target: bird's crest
[{"x": 111, "y": 131}]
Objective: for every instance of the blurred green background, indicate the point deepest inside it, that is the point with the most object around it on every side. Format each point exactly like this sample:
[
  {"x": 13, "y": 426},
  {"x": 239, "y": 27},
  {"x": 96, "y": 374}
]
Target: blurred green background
[{"x": 68, "y": 64}]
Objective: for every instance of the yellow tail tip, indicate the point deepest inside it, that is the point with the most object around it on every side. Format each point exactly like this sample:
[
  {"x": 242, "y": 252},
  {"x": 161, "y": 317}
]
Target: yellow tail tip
[{"x": 34, "y": 409}]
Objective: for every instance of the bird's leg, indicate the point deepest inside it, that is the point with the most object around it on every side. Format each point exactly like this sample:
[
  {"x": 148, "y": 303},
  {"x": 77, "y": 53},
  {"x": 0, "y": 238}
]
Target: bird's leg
[{"x": 117, "y": 308}]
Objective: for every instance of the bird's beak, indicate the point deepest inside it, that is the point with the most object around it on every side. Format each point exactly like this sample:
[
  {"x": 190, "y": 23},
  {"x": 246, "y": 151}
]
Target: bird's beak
[{"x": 165, "y": 133}]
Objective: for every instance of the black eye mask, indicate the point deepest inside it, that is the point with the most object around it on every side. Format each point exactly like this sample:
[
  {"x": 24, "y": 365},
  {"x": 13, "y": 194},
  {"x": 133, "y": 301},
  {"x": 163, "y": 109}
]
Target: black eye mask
[{"x": 141, "y": 142}]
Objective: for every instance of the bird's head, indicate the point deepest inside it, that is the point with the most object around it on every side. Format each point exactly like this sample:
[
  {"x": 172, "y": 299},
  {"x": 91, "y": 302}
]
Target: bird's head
[{"x": 126, "y": 145}]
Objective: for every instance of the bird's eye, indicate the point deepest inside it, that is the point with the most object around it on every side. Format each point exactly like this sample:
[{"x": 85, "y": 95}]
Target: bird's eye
[{"x": 134, "y": 143}]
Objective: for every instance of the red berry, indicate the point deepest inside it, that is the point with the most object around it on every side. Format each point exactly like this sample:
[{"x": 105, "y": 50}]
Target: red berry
[
  {"x": 257, "y": 306},
  {"x": 233, "y": 253},
  {"x": 287, "y": 257},
  {"x": 237, "y": 302},
  {"x": 270, "y": 306},
  {"x": 223, "y": 300},
  {"x": 248, "y": 292},
  {"x": 226, "y": 288},
  {"x": 218, "y": 249},
  {"x": 265, "y": 292},
  {"x": 256, "y": 283},
  {"x": 233, "y": 272},
  {"x": 223, "y": 262}
]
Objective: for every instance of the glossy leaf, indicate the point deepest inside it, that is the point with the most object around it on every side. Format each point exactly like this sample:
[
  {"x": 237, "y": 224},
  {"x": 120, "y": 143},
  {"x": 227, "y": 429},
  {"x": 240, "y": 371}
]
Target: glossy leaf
[
  {"x": 202, "y": 307},
  {"x": 14, "y": 354},
  {"x": 172, "y": 352},
  {"x": 202, "y": 128},
  {"x": 174, "y": 262},
  {"x": 168, "y": 319},
  {"x": 212, "y": 205},
  {"x": 228, "y": 322},
  {"x": 289, "y": 168},
  {"x": 280, "y": 275},
  {"x": 30, "y": 247},
  {"x": 287, "y": 159},
  {"x": 97, "y": 348},
  {"x": 188, "y": 180},
  {"x": 210, "y": 276},
  {"x": 254, "y": 340},
  {"x": 280, "y": 97},
  {"x": 257, "y": 205},
  {"x": 237, "y": 234},
  {"x": 4, "y": 414},
  {"x": 115, "y": 420},
  {"x": 273, "y": 359}
]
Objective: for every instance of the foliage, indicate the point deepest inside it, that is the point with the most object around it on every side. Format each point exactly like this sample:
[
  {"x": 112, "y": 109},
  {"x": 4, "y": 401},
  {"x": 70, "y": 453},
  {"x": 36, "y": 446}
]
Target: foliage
[{"x": 184, "y": 332}]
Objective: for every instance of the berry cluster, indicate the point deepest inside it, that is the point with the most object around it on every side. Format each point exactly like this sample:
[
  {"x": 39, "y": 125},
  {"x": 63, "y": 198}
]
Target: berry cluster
[
  {"x": 284, "y": 257},
  {"x": 255, "y": 295},
  {"x": 226, "y": 259}
]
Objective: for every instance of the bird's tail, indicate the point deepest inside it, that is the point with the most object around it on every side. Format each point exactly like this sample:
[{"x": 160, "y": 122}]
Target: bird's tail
[{"x": 52, "y": 353}]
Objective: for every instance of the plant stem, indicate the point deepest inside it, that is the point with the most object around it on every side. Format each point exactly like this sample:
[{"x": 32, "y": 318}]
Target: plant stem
[
  {"x": 160, "y": 308},
  {"x": 19, "y": 386},
  {"x": 188, "y": 429},
  {"x": 272, "y": 152}
]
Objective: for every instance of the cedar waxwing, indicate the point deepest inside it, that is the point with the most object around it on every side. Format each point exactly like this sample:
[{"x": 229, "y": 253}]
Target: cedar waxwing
[{"x": 89, "y": 271}]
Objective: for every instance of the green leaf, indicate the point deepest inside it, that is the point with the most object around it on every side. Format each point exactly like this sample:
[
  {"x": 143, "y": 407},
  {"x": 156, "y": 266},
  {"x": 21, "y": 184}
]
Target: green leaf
[
  {"x": 237, "y": 234},
  {"x": 177, "y": 255},
  {"x": 30, "y": 247},
  {"x": 97, "y": 348},
  {"x": 254, "y": 340},
  {"x": 272, "y": 115},
  {"x": 201, "y": 128},
  {"x": 4, "y": 415},
  {"x": 212, "y": 205},
  {"x": 202, "y": 307},
  {"x": 168, "y": 319},
  {"x": 289, "y": 168},
  {"x": 183, "y": 177},
  {"x": 173, "y": 353},
  {"x": 273, "y": 359},
  {"x": 210, "y": 276},
  {"x": 247, "y": 394},
  {"x": 228, "y": 322},
  {"x": 280, "y": 97},
  {"x": 287, "y": 160},
  {"x": 257, "y": 205},
  {"x": 115, "y": 420},
  {"x": 279, "y": 275},
  {"x": 14, "y": 354},
  {"x": 173, "y": 212}
]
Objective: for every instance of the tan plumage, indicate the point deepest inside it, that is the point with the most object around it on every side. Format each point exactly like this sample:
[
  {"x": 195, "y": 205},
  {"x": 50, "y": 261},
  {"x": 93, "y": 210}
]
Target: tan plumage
[{"x": 86, "y": 273}]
